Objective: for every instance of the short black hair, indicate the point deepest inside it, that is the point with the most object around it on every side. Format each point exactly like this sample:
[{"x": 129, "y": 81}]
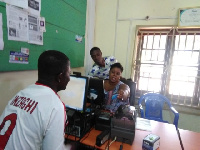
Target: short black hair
[
  {"x": 117, "y": 65},
  {"x": 94, "y": 49},
  {"x": 52, "y": 63}
]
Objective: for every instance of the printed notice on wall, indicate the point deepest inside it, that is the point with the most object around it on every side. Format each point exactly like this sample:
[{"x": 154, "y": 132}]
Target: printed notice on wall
[
  {"x": 42, "y": 24},
  {"x": 25, "y": 50},
  {"x": 19, "y": 3},
  {"x": 35, "y": 35},
  {"x": 34, "y": 7},
  {"x": 18, "y": 57},
  {"x": 189, "y": 17},
  {"x": 17, "y": 23},
  {"x": 1, "y": 33}
]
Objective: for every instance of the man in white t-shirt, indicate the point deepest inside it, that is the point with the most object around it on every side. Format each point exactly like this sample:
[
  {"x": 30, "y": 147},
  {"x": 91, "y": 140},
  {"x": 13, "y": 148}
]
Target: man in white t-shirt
[
  {"x": 35, "y": 117},
  {"x": 101, "y": 66}
]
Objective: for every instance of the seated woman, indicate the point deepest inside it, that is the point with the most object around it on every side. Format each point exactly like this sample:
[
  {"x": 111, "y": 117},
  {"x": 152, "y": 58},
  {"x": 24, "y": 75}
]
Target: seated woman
[{"x": 116, "y": 92}]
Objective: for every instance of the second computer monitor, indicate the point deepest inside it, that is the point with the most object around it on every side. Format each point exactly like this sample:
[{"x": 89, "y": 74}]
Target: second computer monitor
[
  {"x": 75, "y": 94},
  {"x": 96, "y": 87}
]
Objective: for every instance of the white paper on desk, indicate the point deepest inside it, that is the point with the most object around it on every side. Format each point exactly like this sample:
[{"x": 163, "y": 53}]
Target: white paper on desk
[
  {"x": 1, "y": 33},
  {"x": 143, "y": 124}
]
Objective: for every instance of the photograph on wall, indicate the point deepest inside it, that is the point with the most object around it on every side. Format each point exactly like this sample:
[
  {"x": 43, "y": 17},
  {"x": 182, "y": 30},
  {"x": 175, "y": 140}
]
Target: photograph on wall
[{"x": 17, "y": 23}]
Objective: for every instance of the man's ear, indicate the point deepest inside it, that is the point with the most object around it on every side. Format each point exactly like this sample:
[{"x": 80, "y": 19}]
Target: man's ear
[{"x": 59, "y": 77}]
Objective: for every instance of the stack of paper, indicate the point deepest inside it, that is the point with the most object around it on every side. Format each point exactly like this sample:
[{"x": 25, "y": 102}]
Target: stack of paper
[{"x": 143, "y": 124}]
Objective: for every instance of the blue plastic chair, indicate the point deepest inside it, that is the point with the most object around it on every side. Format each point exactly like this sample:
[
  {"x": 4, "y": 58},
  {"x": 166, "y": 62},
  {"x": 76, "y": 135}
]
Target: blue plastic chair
[{"x": 154, "y": 103}]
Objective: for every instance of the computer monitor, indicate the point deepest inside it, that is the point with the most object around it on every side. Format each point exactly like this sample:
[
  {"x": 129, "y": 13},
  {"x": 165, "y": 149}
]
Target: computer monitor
[
  {"x": 96, "y": 86},
  {"x": 75, "y": 94}
]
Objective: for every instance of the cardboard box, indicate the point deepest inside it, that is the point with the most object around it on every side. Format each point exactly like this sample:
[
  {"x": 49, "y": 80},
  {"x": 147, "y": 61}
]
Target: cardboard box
[{"x": 151, "y": 142}]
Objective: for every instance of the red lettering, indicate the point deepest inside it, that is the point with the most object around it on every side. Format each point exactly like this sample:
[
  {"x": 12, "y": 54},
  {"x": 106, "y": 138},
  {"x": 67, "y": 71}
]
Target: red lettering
[
  {"x": 33, "y": 108},
  {"x": 14, "y": 100},
  {"x": 18, "y": 102},
  {"x": 29, "y": 105},
  {"x": 23, "y": 102}
]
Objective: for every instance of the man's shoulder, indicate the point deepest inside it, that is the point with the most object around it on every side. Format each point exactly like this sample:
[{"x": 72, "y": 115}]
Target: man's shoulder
[
  {"x": 109, "y": 57},
  {"x": 109, "y": 60},
  {"x": 34, "y": 88},
  {"x": 40, "y": 93}
]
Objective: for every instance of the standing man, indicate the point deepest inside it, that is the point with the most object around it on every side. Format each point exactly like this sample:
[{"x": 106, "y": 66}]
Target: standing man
[
  {"x": 35, "y": 117},
  {"x": 101, "y": 66}
]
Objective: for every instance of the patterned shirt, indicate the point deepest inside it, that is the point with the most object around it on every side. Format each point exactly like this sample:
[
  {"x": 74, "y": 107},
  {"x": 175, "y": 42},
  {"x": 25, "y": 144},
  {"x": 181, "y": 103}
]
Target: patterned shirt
[
  {"x": 111, "y": 101},
  {"x": 102, "y": 72}
]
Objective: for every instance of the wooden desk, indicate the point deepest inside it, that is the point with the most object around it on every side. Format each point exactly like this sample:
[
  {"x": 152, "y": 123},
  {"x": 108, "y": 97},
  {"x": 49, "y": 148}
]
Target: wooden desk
[
  {"x": 168, "y": 138},
  {"x": 90, "y": 139},
  {"x": 190, "y": 139}
]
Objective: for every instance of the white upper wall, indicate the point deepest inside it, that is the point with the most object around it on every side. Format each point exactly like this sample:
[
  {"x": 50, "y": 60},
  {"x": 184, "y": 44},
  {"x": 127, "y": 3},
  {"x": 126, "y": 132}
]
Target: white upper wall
[
  {"x": 116, "y": 22},
  {"x": 154, "y": 8}
]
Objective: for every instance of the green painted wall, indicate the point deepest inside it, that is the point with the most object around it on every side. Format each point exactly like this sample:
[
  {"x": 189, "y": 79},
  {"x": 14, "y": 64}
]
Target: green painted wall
[{"x": 64, "y": 20}]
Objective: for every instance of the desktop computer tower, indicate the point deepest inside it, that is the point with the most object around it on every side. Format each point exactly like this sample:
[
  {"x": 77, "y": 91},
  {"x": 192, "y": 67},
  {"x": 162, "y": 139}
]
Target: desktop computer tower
[{"x": 78, "y": 123}]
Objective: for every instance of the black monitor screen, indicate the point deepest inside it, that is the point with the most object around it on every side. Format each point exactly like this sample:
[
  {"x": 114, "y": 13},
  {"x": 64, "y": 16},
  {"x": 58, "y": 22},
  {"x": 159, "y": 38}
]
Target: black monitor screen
[
  {"x": 75, "y": 94},
  {"x": 96, "y": 86}
]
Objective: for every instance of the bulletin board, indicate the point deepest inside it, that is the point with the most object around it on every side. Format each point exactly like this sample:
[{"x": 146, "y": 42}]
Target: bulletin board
[{"x": 65, "y": 19}]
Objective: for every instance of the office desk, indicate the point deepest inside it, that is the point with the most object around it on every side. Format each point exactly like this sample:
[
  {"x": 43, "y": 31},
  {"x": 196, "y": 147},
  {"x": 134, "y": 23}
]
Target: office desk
[
  {"x": 168, "y": 138},
  {"x": 190, "y": 139}
]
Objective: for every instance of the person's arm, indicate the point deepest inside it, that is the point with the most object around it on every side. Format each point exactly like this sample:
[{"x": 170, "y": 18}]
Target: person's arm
[
  {"x": 54, "y": 136},
  {"x": 124, "y": 92}
]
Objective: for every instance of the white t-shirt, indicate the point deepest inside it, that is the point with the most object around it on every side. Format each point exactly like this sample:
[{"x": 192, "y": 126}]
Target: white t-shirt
[{"x": 35, "y": 119}]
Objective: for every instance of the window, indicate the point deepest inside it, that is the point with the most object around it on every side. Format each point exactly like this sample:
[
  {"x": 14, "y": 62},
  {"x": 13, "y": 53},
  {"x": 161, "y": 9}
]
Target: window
[{"x": 168, "y": 62}]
